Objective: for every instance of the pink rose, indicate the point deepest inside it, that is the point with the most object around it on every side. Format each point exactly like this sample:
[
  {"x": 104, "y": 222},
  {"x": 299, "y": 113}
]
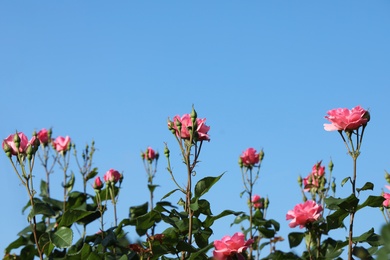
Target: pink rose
[
  {"x": 228, "y": 247},
  {"x": 112, "y": 176},
  {"x": 61, "y": 144},
  {"x": 23, "y": 144},
  {"x": 304, "y": 213},
  {"x": 256, "y": 201},
  {"x": 150, "y": 154},
  {"x": 345, "y": 119},
  {"x": 249, "y": 157},
  {"x": 386, "y": 202},
  {"x": 97, "y": 184},
  {"x": 43, "y": 136},
  {"x": 186, "y": 122}
]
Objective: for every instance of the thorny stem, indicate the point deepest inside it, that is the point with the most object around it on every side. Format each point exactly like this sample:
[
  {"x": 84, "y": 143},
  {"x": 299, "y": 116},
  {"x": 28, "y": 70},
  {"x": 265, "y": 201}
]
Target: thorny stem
[{"x": 29, "y": 187}]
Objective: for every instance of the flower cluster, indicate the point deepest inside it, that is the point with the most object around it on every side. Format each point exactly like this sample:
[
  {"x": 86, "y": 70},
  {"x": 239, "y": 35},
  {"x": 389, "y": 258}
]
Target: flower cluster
[
  {"x": 315, "y": 177},
  {"x": 184, "y": 125}
]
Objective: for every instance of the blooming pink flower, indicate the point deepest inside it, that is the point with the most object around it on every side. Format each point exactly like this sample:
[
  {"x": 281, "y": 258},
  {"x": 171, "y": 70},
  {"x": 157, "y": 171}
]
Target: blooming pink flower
[
  {"x": 186, "y": 122},
  {"x": 386, "y": 202},
  {"x": 249, "y": 157},
  {"x": 256, "y": 201},
  {"x": 304, "y": 213},
  {"x": 228, "y": 247},
  {"x": 97, "y": 184},
  {"x": 150, "y": 154},
  {"x": 61, "y": 144},
  {"x": 23, "y": 144},
  {"x": 112, "y": 176},
  {"x": 43, "y": 136},
  {"x": 345, "y": 119}
]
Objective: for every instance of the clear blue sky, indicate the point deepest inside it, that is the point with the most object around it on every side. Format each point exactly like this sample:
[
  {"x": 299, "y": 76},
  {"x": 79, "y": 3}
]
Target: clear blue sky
[{"x": 263, "y": 73}]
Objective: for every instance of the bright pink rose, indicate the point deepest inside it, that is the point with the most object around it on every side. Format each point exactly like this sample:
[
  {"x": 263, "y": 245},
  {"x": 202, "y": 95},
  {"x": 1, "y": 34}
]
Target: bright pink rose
[
  {"x": 150, "y": 154},
  {"x": 186, "y": 122},
  {"x": 61, "y": 144},
  {"x": 386, "y": 202},
  {"x": 345, "y": 119},
  {"x": 97, "y": 184},
  {"x": 249, "y": 157},
  {"x": 256, "y": 201},
  {"x": 112, "y": 176},
  {"x": 228, "y": 247},
  {"x": 304, "y": 213},
  {"x": 23, "y": 144},
  {"x": 43, "y": 136}
]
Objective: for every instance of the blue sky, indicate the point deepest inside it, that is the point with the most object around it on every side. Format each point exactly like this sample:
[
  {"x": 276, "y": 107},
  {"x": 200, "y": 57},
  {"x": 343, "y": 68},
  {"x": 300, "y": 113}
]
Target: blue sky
[{"x": 263, "y": 73}]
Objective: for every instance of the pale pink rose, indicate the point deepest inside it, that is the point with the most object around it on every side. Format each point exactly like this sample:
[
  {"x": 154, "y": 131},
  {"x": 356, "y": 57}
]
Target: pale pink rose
[
  {"x": 304, "y": 213},
  {"x": 150, "y": 154},
  {"x": 228, "y": 247},
  {"x": 61, "y": 144},
  {"x": 97, "y": 184},
  {"x": 43, "y": 136},
  {"x": 345, "y": 119},
  {"x": 249, "y": 157},
  {"x": 23, "y": 144},
  {"x": 112, "y": 176},
  {"x": 186, "y": 122},
  {"x": 256, "y": 201}
]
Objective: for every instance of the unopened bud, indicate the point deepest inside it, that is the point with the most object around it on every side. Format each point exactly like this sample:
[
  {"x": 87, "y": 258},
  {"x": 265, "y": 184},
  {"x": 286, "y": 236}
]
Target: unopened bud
[
  {"x": 193, "y": 115},
  {"x": 143, "y": 156},
  {"x": 240, "y": 162},
  {"x": 30, "y": 150},
  {"x": 17, "y": 140},
  {"x": 387, "y": 176},
  {"x": 334, "y": 187},
  {"x": 6, "y": 147},
  {"x": 266, "y": 203},
  {"x": 178, "y": 125},
  {"x": 300, "y": 181},
  {"x": 367, "y": 116},
  {"x": 330, "y": 166},
  {"x": 157, "y": 156},
  {"x": 261, "y": 155},
  {"x": 166, "y": 152}
]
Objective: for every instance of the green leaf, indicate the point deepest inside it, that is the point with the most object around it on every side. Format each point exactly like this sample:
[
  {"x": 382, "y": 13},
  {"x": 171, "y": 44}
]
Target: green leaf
[
  {"x": 366, "y": 186},
  {"x": 41, "y": 208},
  {"x": 201, "y": 254},
  {"x": 205, "y": 184},
  {"x": 372, "y": 201},
  {"x": 335, "y": 220},
  {"x": 137, "y": 211},
  {"x": 152, "y": 187},
  {"x": 45, "y": 244},
  {"x": 73, "y": 215},
  {"x": 43, "y": 189},
  {"x": 21, "y": 241},
  {"x": 91, "y": 174},
  {"x": 361, "y": 252},
  {"x": 210, "y": 219},
  {"x": 69, "y": 185},
  {"x": 62, "y": 238},
  {"x": 345, "y": 180},
  {"x": 348, "y": 204},
  {"x": 169, "y": 193},
  {"x": 295, "y": 238}
]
